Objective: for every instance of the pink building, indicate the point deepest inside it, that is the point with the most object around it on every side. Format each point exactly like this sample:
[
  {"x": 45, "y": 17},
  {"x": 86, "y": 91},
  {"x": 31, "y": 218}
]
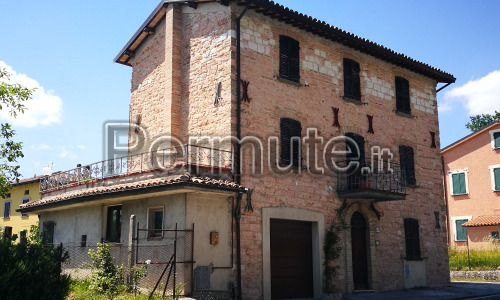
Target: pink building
[{"x": 472, "y": 187}]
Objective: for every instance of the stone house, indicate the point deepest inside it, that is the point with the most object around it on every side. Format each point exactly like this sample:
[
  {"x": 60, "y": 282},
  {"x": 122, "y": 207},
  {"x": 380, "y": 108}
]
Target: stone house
[
  {"x": 472, "y": 188},
  {"x": 328, "y": 133}
]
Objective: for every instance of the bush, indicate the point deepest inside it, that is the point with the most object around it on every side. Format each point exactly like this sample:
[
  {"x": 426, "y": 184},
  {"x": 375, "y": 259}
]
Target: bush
[
  {"x": 485, "y": 259},
  {"x": 32, "y": 271},
  {"x": 105, "y": 277}
]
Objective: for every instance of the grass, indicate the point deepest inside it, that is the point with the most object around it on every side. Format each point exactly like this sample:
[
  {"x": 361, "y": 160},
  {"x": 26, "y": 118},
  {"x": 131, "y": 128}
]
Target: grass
[
  {"x": 79, "y": 290},
  {"x": 486, "y": 259}
]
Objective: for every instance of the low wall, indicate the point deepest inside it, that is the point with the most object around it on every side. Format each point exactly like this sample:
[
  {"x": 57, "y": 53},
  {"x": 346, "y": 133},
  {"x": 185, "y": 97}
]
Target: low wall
[{"x": 476, "y": 275}]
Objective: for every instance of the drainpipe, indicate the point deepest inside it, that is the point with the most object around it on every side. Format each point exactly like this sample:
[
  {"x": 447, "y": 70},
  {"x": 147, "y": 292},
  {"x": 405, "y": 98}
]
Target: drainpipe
[{"x": 237, "y": 211}]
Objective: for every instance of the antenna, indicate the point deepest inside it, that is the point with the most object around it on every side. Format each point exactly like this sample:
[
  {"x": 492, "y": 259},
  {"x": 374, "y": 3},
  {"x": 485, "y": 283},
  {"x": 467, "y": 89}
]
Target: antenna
[{"x": 47, "y": 170}]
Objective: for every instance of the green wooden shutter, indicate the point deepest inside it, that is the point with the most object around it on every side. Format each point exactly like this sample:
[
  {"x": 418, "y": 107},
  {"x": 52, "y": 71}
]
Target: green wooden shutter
[
  {"x": 289, "y": 58},
  {"x": 496, "y": 174},
  {"x": 461, "y": 231},
  {"x": 458, "y": 181},
  {"x": 290, "y": 141},
  {"x": 496, "y": 138},
  {"x": 352, "y": 84},
  {"x": 402, "y": 95}
]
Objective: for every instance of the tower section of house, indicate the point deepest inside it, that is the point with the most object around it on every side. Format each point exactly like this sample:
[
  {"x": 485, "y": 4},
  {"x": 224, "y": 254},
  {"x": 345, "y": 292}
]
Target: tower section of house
[
  {"x": 334, "y": 135},
  {"x": 472, "y": 181}
]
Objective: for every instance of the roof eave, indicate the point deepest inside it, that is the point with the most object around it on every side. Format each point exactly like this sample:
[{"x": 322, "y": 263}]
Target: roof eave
[
  {"x": 128, "y": 192},
  {"x": 469, "y": 136}
]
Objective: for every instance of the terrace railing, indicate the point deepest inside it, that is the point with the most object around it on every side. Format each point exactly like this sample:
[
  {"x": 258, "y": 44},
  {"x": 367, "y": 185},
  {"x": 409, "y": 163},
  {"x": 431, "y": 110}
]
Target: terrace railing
[{"x": 179, "y": 156}]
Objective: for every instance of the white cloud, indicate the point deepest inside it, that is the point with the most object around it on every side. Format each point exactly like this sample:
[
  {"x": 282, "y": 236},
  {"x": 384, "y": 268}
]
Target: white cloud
[
  {"x": 40, "y": 147},
  {"x": 479, "y": 96},
  {"x": 44, "y": 108},
  {"x": 81, "y": 146},
  {"x": 67, "y": 154}
]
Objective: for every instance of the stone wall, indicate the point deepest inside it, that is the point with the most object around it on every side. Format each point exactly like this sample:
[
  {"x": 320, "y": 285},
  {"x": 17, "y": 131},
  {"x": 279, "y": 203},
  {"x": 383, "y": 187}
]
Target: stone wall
[{"x": 493, "y": 275}]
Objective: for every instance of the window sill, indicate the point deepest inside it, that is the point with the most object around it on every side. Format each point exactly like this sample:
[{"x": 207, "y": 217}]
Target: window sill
[
  {"x": 8, "y": 218},
  {"x": 351, "y": 100},
  {"x": 414, "y": 258},
  {"x": 459, "y": 194},
  {"x": 414, "y": 186},
  {"x": 404, "y": 114},
  {"x": 155, "y": 238},
  {"x": 288, "y": 81}
]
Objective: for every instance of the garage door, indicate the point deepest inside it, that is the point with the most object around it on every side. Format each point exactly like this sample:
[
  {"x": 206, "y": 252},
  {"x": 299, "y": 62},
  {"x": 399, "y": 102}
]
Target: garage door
[{"x": 291, "y": 259}]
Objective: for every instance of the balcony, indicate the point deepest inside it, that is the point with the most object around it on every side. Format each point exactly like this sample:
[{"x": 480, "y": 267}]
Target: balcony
[
  {"x": 372, "y": 180},
  {"x": 196, "y": 160}
]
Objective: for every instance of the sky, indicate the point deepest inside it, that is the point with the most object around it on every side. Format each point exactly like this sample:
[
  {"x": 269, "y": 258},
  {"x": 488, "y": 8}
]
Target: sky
[{"x": 65, "y": 49}]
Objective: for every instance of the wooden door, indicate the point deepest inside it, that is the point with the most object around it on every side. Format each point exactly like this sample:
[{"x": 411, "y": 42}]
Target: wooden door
[{"x": 291, "y": 259}]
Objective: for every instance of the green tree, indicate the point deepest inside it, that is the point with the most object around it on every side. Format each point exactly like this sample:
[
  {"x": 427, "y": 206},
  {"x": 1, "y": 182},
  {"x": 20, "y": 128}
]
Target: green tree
[
  {"x": 479, "y": 121},
  {"x": 12, "y": 97}
]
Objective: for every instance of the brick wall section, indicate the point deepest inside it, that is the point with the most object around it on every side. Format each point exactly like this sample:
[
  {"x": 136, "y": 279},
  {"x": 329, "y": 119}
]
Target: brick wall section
[
  {"x": 321, "y": 67},
  {"x": 206, "y": 62}
]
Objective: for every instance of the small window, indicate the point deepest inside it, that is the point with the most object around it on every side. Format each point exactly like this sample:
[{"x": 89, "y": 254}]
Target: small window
[
  {"x": 494, "y": 235},
  {"x": 290, "y": 142},
  {"x": 7, "y": 195},
  {"x": 352, "y": 85},
  {"x": 460, "y": 231},
  {"x": 114, "y": 224},
  {"x": 407, "y": 162},
  {"x": 6, "y": 209},
  {"x": 155, "y": 221},
  {"x": 26, "y": 192},
  {"x": 23, "y": 236},
  {"x": 495, "y": 138},
  {"x": 289, "y": 59},
  {"x": 7, "y": 232},
  {"x": 458, "y": 184},
  {"x": 25, "y": 200},
  {"x": 412, "y": 239},
  {"x": 48, "y": 232},
  {"x": 495, "y": 177},
  {"x": 402, "y": 95}
]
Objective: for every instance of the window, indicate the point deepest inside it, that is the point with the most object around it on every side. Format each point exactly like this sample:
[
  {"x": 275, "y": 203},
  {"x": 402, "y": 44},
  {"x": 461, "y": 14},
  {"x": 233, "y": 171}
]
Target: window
[
  {"x": 23, "y": 236},
  {"x": 48, "y": 232},
  {"x": 407, "y": 162},
  {"x": 290, "y": 142},
  {"x": 494, "y": 235},
  {"x": 460, "y": 231},
  {"x": 6, "y": 209},
  {"x": 155, "y": 221},
  {"x": 458, "y": 180},
  {"x": 352, "y": 86},
  {"x": 495, "y": 138},
  {"x": 25, "y": 200},
  {"x": 289, "y": 58},
  {"x": 402, "y": 95},
  {"x": 26, "y": 192},
  {"x": 7, "y": 232},
  {"x": 114, "y": 224},
  {"x": 7, "y": 195},
  {"x": 495, "y": 177},
  {"x": 412, "y": 239}
]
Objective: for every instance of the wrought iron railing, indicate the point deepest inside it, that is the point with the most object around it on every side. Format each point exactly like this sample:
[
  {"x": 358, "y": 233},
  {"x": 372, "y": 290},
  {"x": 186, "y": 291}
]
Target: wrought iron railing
[
  {"x": 371, "y": 174},
  {"x": 183, "y": 155}
]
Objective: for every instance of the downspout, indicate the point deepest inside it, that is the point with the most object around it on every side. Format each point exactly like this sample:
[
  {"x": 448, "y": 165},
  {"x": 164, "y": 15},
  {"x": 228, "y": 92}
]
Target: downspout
[
  {"x": 237, "y": 211},
  {"x": 445, "y": 187}
]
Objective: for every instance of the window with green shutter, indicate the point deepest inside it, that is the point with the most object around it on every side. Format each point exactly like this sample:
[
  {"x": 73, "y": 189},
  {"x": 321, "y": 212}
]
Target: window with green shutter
[
  {"x": 458, "y": 182},
  {"x": 352, "y": 83},
  {"x": 289, "y": 58},
  {"x": 402, "y": 95},
  {"x": 496, "y": 174},
  {"x": 496, "y": 139},
  {"x": 461, "y": 231},
  {"x": 412, "y": 239}
]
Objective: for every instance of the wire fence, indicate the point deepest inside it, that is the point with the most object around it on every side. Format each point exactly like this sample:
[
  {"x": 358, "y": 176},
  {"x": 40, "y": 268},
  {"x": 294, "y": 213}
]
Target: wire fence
[{"x": 149, "y": 250}]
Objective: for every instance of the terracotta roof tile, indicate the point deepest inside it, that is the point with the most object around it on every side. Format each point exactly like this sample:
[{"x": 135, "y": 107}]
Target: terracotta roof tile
[
  {"x": 483, "y": 221},
  {"x": 171, "y": 180}
]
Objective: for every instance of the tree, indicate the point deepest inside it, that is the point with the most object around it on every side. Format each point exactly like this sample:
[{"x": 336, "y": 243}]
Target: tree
[
  {"x": 479, "y": 121},
  {"x": 12, "y": 97}
]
